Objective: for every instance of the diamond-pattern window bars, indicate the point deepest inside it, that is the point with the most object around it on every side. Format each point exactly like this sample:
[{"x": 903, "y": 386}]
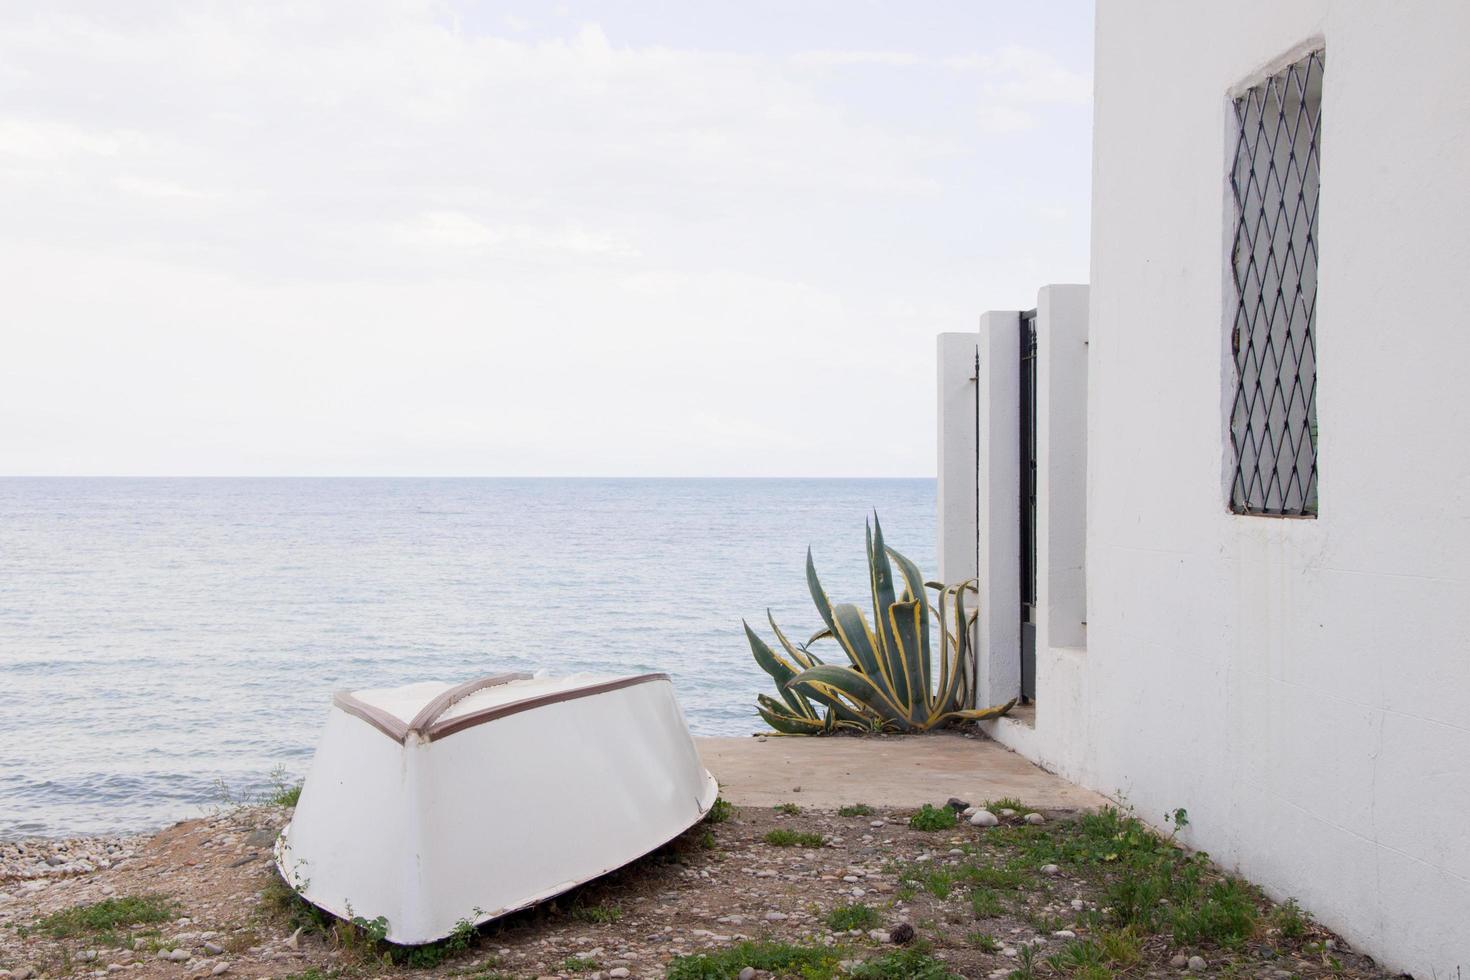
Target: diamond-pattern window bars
[{"x": 1273, "y": 420}]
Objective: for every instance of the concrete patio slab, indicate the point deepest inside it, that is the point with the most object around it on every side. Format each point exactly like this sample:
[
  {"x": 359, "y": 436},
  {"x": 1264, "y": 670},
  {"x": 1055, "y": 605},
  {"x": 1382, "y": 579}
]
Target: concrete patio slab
[{"x": 894, "y": 770}]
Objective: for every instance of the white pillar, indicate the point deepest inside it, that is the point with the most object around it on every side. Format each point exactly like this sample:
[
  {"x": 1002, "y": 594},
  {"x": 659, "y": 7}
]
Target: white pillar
[
  {"x": 999, "y": 569},
  {"x": 1061, "y": 479},
  {"x": 957, "y": 497}
]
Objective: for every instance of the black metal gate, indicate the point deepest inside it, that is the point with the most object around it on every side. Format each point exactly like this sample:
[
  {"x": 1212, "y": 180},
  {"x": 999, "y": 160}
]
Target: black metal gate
[{"x": 1028, "y": 505}]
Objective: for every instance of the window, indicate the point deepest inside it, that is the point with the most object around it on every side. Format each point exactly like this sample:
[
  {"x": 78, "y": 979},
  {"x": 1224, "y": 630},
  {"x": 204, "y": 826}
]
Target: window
[{"x": 1273, "y": 419}]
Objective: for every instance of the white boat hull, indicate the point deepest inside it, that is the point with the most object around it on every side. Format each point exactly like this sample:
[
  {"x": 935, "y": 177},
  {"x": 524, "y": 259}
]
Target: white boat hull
[{"x": 510, "y": 796}]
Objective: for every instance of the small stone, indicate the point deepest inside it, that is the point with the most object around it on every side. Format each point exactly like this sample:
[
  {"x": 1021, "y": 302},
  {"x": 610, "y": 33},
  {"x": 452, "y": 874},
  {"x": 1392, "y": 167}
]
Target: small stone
[
  {"x": 1179, "y": 961},
  {"x": 878, "y": 935},
  {"x": 1197, "y": 964},
  {"x": 220, "y": 967},
  {"x": 1064, "y": 934},
  {"x": 902, "y": 934},
  {"x": 86, "y": 955},
  {"x": 295, "y": 941},
  {"x": 748, "y": 973},
  {"x": 956, "y": 804},
  {"x": 619, "y": 972},
  {"x": 1035, "y": 819},
  {"x": 876, "y": 823},
  {"x": 1008, "y": 813},
  {"x": 213, "y": 949},
  {"x": 984, "y": 818},
  {"x": 1009, "y": 951},
  {"x": 1050, "y": 869},
  {"x": 776, "y": 916},
  {"x": 179, "y": 956},
  {"x": 1078, "y": 905}
]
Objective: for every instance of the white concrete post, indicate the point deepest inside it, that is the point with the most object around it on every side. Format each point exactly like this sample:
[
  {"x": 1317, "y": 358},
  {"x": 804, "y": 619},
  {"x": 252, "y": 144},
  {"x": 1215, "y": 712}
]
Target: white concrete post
[
  {"x": 1061, "y": 479},
  {"x": 957, "y": 498},
  {"x": 999, "y": 564}
]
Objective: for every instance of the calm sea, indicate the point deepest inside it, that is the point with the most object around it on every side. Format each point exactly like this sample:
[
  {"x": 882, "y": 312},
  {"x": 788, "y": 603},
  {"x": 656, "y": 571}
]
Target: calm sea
[{"x": 159, "y": 635}]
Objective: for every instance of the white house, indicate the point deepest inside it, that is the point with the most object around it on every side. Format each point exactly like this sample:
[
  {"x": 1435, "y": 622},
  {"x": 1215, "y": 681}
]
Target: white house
[{"x": 1251, "y": 572}]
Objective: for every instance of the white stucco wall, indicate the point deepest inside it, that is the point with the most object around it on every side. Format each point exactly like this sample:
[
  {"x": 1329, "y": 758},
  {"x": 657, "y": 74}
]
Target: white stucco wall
[{"x": 1301, "y": 686}]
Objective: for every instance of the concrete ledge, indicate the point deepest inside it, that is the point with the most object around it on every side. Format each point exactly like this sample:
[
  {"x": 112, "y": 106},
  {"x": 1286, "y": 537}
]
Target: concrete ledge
[{"x": 895, "y": 770}]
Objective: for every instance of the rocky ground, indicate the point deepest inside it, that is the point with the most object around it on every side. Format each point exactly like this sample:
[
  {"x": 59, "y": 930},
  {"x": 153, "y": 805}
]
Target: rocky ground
[{"x": 763, "y": 892}]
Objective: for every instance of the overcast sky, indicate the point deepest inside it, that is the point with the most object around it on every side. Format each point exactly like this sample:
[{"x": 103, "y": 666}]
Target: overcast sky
[{"x": 602, "y": 238}]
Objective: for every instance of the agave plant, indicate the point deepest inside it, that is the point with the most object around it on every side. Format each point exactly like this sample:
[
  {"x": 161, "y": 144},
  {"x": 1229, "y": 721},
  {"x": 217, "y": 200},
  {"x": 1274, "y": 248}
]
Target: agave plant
[{"x": 888, "y": 683}]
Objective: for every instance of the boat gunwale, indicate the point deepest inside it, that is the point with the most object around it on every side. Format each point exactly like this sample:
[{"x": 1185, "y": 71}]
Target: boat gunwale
[{"x": 435, "y": 727}]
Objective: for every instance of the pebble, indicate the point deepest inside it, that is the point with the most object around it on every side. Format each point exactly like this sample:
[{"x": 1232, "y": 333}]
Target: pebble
[
  {"x": 878, "y": 935},
  {"x": 1197, "y": 963},
  {"x": 876, "y": 823},
  {"x": 776, "y": 916},
  {"x": 984, "y": 818},
  {"x": 1035, "y": 819},
  {"x": 1050, "y": 869},
  {"x": 1008, "y": 812},
  {"x": 1179, "y": 961},
  {"x": 617, "y": 973},
  {"x": 213, "y": 949},
  {"x": 1078, "y": 905},
  {"x": 221, "y": 967},
  {"x": 1064, "y": 934},
  {"x": 748, "y": 973}
]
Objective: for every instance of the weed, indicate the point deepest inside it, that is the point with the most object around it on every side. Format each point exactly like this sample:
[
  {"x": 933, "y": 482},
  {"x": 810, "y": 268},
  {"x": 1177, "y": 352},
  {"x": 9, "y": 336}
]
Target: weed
[
  {"x": 433, "y": 954},
  {"x": 720, "y": 811},
  {"x": 855, "y": 916},
  {"x": 911, "y": 963},
  {"x": 856, "y": 810},
  {"x": 990, "y": 876},
  {"x": 1025, "y": 964},
  {"x": 906, "y": 893},
  {"x": 792, "y": 838},
  {"x": 1224, "y": 913},
  {"x": 985, "y": 903},
  {"x": 597, "y": 914},
  {"x": 1077, "y": 955},
  {"x": 100, "y": 919},
  {"x": 984, "y": 942},
  {"x": 707, "y": 841},
  {"x": 938, "y": 882},
  {"x": 932, "y": 818},
  {"x": 790, "y": 809},
  {"x": 1290, "y": 921},
  {"x": 578, "y": 964},
  {"x": 1009, "y": 803},
  {"x": 782, "y": 959},
  {"x": 1120, "y": 947}
]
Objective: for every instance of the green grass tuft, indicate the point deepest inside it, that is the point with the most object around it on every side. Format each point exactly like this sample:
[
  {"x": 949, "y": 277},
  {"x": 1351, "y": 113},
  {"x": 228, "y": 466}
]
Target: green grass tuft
[
  {"x": 597, "y": 914},
  {"x": 100, "y": 919},
  {"x": 855, "y": 916},
  {"x": 578, "y": 964},
  {"x": 790, "y": 809},
  {"x": 720, "y": 811},
  {"x": 932, "y": 818},
  {"x": 792, "y": 838},
  {"x": 911, "y": 963},
  {"x": 782, "y": 959},
  {"x": 856, "y": 810}
]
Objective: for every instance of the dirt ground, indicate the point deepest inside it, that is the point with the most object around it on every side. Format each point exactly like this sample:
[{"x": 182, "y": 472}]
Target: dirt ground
[{"x": 977, "y": 903}]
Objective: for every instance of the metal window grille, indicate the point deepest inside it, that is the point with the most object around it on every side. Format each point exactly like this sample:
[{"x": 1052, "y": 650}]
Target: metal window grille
[{"x": 1273, "y": 421}]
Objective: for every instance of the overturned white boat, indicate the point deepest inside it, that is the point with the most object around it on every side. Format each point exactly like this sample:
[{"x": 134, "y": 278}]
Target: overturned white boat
[{"x": 434, "y": 804}]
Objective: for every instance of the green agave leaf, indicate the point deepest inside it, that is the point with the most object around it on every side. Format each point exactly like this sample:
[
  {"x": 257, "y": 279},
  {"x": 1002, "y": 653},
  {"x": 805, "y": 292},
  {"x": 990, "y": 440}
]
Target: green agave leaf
[
  {"x": 821, "y": 634},
  {"x": 978, "y": 714},
  {"x": 819, "y": 595},
  {"x": 914, "y": 592},
  {"x": 880, "y": 582},
  {"x": 910, "y": 651},
  {"x": 854, "y": 685},
  {"x": 780, "y": 671},
  {"x": 801, "y": 655},
  {"x": 786, "y": 724},
  {"x": 856, "y": 637}
]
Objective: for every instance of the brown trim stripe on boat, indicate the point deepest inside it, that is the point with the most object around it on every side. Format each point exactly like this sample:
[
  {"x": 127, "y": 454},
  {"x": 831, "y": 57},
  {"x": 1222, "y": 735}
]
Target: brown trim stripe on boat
[
  {"x": 448, "y": 726},
  {"x": 384, "y": 721},
  {"x": 430, "y": 726},
  {"x": 444, "y": 700}
]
